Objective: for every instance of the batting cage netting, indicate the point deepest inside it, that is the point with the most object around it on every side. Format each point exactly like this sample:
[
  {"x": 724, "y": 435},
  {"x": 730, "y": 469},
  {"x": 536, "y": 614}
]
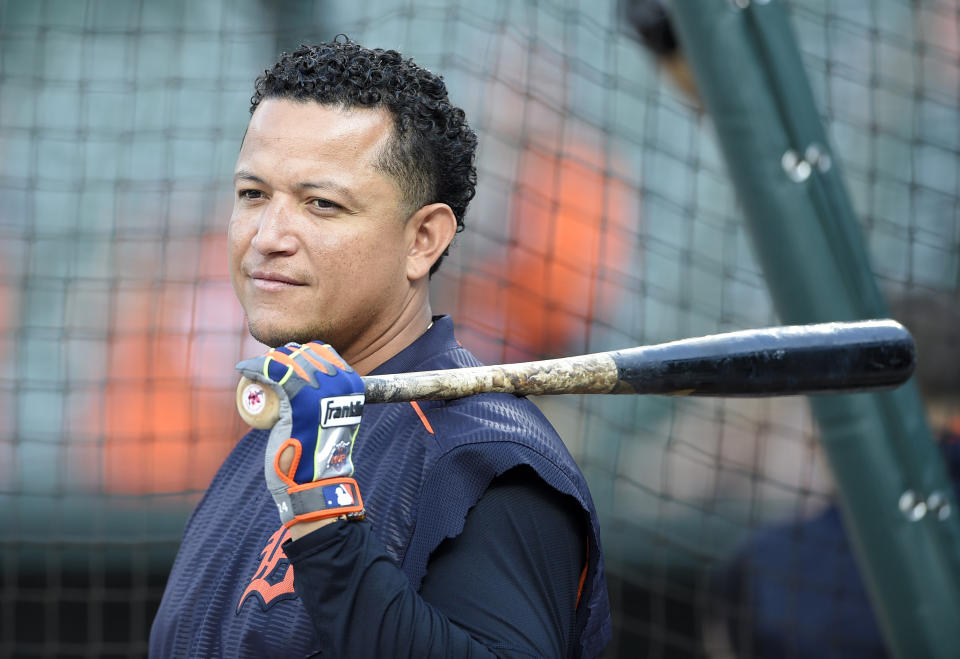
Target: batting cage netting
[{"x": 605, "y": 218}]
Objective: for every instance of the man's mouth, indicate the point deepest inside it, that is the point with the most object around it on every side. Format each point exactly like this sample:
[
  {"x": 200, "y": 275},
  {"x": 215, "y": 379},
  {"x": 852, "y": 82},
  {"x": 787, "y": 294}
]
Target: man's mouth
[{"x": 273, "y": 281}]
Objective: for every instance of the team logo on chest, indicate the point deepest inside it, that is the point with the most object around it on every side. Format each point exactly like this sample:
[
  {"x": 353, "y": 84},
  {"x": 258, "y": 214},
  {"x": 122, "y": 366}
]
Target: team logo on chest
[{"x": 273, "y": 579}]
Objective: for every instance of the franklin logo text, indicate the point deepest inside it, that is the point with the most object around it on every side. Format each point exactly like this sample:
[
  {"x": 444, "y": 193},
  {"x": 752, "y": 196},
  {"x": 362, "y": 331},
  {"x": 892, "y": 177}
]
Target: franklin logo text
[{"x": 341, "y": 410}]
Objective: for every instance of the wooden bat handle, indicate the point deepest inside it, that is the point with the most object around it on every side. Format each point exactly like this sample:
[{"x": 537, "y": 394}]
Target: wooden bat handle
[
  {"x": 258, "y": 405},
  {"x": 776, "y": 361},
  {"x": 585, "y": 374}
]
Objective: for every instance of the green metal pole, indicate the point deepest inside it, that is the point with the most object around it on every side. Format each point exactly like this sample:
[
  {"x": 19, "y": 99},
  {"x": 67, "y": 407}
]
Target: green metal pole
[{"x": 898, "y": 503}]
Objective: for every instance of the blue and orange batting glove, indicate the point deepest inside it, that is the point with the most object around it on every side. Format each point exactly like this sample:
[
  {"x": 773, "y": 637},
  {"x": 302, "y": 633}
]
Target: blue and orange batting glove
[{"x": 321, "y": 404}]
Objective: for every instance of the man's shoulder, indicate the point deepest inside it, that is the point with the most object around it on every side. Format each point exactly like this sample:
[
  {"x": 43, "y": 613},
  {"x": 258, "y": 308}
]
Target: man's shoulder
[
  {"x": 462, "y": 420},
  {"x": 501, "y": 430},
  {"x": 490, "y": 417}
]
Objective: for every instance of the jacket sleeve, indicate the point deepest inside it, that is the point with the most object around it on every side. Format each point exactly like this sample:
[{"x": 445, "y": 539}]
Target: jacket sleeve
[{"x": 506, "y": 586}]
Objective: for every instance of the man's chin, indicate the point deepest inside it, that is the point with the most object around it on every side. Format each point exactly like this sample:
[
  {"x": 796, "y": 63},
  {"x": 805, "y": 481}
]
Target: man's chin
[{"x": 278, "y": 336}]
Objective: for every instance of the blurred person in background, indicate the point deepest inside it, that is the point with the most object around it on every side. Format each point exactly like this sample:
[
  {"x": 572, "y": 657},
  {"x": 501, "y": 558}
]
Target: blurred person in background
[
  {"x": 540, "y": 293},
  {"x": 794, "y": 590},
  {"x": 465, "y": 528},
  {"x": 167, "y": 419}
]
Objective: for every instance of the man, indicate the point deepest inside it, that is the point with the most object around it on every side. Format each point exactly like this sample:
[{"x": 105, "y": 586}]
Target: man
[{"x": 480, "y": 537}]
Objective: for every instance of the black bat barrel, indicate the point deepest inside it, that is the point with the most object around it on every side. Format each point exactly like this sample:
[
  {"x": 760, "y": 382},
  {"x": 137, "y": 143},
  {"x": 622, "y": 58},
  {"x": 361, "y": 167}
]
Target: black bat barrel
[{"x": 827, "y": 357}]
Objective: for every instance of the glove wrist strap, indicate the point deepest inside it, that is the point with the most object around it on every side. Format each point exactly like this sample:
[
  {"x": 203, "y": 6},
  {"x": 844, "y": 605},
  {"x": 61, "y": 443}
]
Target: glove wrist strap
[{"x": 323, "y": 499}]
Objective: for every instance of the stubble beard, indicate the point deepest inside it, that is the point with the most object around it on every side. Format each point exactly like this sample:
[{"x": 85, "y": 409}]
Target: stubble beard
[{"x": 279, "y": 336}]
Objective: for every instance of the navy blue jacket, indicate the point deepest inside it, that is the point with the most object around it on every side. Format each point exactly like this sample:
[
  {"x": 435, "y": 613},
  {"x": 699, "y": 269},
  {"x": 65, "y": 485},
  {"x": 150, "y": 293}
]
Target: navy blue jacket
[{"x": 420, "y": 467}]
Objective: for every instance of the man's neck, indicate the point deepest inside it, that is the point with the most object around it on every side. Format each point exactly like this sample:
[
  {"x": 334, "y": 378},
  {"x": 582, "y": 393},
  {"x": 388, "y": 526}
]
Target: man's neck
[{"x": 414, "y": 319}]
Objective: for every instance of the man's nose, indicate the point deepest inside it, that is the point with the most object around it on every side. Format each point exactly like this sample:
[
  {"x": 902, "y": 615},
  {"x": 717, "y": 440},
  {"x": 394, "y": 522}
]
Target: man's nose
[{"x": 275, "y": 231}]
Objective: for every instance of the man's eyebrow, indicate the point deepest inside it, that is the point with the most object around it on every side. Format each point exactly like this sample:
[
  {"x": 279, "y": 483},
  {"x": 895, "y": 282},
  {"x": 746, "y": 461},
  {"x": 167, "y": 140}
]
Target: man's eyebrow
[
  {"x": 327, "y": 185},
  {"x": 244, "y": 175}
]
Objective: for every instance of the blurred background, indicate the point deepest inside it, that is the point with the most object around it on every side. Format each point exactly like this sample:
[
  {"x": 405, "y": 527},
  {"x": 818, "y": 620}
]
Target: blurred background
[{"x": 605, "y": 218}]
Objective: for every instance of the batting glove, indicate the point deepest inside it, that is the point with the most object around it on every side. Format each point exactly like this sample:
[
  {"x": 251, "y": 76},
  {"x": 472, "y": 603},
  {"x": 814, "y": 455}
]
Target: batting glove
[{"x": 321, "y": 404}]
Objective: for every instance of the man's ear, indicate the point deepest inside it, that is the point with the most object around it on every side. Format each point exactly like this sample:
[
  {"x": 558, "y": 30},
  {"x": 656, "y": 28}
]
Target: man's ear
[{"x": 429, "y": 231}]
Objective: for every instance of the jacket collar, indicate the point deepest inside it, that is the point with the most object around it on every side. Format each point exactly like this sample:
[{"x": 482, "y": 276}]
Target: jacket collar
[{"x": 438, "y": 338}]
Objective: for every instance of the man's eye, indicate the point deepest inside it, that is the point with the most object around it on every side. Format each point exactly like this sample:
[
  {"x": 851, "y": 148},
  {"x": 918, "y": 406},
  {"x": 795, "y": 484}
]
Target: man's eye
[
  {"x": 324, "y": 204},
  {"x": 250, "y": 194}
]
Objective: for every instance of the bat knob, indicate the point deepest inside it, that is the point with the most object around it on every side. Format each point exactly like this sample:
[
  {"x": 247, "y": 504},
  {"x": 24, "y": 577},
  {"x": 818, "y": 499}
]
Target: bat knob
[{"x": 257, "y": 404}]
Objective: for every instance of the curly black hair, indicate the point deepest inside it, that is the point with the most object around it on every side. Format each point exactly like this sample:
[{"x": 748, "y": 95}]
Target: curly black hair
[{"x": 432, "y": 153}]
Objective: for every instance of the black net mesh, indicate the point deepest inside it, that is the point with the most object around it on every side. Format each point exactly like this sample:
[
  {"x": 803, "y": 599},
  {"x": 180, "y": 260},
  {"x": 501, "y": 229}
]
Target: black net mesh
[{"x": 604, "y": 219}]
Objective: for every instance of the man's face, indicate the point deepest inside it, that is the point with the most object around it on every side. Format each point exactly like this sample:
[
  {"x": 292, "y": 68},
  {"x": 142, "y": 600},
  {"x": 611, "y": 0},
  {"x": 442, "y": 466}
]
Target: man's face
[{"x": 317, "y": 247}]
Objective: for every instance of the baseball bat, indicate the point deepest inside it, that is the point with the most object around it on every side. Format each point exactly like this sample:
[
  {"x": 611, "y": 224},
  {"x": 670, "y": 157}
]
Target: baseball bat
[{"x": 775, "y": 361}]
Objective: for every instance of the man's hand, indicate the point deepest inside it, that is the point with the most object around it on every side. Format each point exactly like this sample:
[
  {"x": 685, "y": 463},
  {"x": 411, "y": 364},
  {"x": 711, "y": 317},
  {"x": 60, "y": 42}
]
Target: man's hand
[{"x": 308, "y": 461}]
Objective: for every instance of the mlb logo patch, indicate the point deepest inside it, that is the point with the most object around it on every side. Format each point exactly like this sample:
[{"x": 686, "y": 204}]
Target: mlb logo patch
[{"x": 338, "y": 496}]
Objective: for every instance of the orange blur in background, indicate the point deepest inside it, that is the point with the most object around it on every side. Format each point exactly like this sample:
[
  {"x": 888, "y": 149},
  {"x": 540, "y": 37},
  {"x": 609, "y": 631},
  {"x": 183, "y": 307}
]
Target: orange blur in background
[
  {"x": 169, "y": 414},
  {"x": 572, "y": 228},
  {"x": 7, "y": 324}
]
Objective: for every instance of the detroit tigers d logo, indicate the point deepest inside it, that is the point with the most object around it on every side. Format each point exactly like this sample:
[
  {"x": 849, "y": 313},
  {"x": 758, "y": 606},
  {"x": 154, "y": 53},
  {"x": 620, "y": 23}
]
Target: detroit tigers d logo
[{"x": 273, "y": 579}]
